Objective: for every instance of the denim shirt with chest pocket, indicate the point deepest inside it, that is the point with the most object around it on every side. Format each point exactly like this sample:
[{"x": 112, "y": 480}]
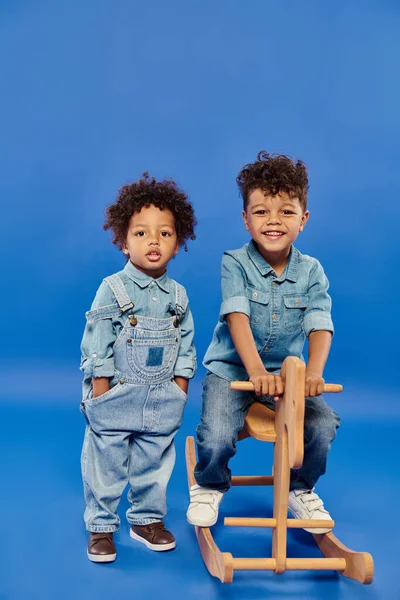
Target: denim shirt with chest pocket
[{"x": 282, "y": 310}]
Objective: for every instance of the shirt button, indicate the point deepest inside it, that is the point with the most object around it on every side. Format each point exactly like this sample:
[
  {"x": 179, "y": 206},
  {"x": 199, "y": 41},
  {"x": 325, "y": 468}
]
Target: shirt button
[
  {"x": 154, "y": 299},
  {"x": 297, "y": 301},
  {"x": 274, "y": 316},
  {"x": 255, "y": 294},
  {"x": 274, "y": 283},
  {"x": 94, "y": 355}
]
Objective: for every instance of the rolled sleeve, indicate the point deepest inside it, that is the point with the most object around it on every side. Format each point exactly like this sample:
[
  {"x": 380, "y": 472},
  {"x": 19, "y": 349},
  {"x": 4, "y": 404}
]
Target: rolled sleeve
[
  {"x": 186, "y": 363},
  {"x": 97, "y": 344},
  {"x": 317, "y": 316},
  {"x": 233, "y": 288}
]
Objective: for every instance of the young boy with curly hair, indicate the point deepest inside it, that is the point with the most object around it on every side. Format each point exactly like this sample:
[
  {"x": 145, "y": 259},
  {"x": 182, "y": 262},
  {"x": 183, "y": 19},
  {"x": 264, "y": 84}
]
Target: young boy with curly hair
[
  {"x": 137, "y": 357},
  {"x": 273, "y": 298}
]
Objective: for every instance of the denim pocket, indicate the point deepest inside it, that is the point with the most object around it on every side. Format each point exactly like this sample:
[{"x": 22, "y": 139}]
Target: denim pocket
[
  {"x": 295, "y": 306},
  {"x": 108, "y": 394},
  {"x": 258, "y": 305},
  {"x": 151, "y": 358},
  {"x": 179, "y": 390}
]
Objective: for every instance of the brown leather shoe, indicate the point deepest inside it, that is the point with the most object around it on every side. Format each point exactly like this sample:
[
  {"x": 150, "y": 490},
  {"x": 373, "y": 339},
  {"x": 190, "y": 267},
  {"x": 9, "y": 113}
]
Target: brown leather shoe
[
  {"x": 154, "y": 535},
  {"x": 101, "y": 547}
]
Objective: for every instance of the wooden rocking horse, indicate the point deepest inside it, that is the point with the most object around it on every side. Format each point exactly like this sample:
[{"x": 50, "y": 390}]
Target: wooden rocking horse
[{"x": 284, "y": 428}]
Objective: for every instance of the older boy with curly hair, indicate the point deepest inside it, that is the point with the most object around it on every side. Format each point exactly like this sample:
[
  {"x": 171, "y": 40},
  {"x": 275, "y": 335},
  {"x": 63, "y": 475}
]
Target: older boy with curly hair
[
  {"x": 137, "y": 357},
  {"x": 273, "y": 298}
]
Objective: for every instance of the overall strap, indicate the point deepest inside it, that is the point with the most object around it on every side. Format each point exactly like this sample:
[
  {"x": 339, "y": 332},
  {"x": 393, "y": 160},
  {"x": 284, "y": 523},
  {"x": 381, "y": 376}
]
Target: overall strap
[{"x": 121, "y": 295}]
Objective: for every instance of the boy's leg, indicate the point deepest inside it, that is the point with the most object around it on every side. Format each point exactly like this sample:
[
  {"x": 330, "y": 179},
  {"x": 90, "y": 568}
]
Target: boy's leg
[
  {"x": 151, "y": 461},
  {"x": 222, "y": 418},
  {"x": 320, "y": 425},
  {"x": 105, "y": 475}
]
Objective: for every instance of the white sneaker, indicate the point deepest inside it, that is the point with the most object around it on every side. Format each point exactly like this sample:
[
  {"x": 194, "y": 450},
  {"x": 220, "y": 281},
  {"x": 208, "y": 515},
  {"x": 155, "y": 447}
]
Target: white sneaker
[
  {"x": 203, "y": 507},
  {"x": 305, "y": 504}
]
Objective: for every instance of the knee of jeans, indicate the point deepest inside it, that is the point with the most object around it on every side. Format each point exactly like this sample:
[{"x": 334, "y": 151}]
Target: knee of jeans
[
  {"x": 214, "y": 439},
  {"x": 325, "y": 423}
]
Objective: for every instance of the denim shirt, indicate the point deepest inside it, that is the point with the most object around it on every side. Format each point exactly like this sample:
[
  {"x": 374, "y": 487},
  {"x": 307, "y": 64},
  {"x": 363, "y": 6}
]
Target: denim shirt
[
  {"x": 283, "y": 310},
  {"x": 151, "y": 298}
]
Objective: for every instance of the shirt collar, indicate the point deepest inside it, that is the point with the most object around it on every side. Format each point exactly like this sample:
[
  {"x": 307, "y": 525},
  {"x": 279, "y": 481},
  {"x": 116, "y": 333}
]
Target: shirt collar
[
  {"x": 265, "y": 268},
  {"x": 144, "y": 280}
]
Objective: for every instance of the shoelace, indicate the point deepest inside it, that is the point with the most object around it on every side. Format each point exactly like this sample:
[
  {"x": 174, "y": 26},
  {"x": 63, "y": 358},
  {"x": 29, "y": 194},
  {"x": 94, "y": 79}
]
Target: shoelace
[
  {"x": 156, "y": 525},
  {"x": 99, "y": 537},
  {"x": 315, "y": 503}
]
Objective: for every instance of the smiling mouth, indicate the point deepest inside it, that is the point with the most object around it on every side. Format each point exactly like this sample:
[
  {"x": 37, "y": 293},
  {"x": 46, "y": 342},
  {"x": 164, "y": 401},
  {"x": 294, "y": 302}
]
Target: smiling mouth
[{"x": 273, "y": 235}]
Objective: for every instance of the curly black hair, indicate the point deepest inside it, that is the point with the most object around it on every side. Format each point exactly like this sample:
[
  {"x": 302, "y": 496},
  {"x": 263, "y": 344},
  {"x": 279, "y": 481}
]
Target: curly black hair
[
  {"x": 145, "y": 192},
  {"x": 274, "y": 173}
]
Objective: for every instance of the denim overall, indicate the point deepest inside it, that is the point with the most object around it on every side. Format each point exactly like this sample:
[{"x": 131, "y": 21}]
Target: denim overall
[{"x": 130, "y": 431}]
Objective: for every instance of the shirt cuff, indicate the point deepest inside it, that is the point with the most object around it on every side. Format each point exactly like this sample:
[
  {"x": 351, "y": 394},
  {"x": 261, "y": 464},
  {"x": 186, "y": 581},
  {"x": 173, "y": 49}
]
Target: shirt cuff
[
  {"x": 185, "y": 367},
  {"x": 317, "y": 320},
  {"x": 97, "y": 367},
  {"x": 238, "y": 304}
]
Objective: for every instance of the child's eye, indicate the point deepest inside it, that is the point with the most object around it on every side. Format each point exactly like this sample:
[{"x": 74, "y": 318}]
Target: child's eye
[
  {"x": 288, "y": 212},
  {"x": 165, "y": 233},
  {"x": 139, "y": 233},
  {"x": 260, "y": 212}
]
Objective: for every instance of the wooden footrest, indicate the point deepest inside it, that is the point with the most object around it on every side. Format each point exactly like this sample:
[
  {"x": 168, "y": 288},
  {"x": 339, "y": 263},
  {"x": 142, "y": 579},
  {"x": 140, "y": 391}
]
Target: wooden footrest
[
  {"x": 291, "y": 564},
  {"x": 252, "y": 480},
  {"x": 290, "y": 523}
]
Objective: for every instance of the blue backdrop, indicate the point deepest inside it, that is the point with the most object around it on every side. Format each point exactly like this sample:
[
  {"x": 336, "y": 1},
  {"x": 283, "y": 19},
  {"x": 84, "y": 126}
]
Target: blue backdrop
[{"x": 95, "y": 92}]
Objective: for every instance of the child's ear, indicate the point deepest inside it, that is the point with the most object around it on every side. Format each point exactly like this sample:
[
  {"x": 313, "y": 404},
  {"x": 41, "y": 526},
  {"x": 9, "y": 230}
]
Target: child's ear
[
  {"x": 176, "y": 250},
  {"x": 304, "y": 219},
  {"x": 244, "y": 215},
  {"x": 125, "y": 249}
]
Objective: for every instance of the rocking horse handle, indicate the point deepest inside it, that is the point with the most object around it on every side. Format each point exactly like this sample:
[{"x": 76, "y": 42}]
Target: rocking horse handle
[{"x": 247, "y": 386}]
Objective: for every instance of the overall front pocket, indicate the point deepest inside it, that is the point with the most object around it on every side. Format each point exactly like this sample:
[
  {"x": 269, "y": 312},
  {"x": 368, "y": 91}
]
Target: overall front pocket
[
  {"x": 295, "y": 306},
  {"x": 153, "y": 357},
  {"x": 108, "y": 394}
]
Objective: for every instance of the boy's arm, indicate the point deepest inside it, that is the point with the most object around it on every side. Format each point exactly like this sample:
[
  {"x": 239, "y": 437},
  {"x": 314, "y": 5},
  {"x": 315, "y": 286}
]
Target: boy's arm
[
  {"x": 98, "y": 341},
  {"x": 186, "y": 364},
  {"x": 265, "y": 384},
  {"x": 318, "y": 328},
  {"x": 235, "y": 308},
  {"x": 319, "y": 343}
]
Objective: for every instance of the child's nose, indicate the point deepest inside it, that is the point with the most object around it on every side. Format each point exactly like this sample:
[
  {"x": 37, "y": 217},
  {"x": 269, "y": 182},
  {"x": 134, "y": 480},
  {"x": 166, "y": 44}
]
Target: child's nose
[{"x": 273, "y": 218}]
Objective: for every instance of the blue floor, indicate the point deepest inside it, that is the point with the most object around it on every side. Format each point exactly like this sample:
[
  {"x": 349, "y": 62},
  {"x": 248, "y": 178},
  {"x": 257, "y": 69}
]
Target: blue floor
[{"x": 44, "y": 541}]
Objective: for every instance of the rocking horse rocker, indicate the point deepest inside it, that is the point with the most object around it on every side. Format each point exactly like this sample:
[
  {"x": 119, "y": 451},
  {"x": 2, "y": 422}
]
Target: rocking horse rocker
[{"x": 284, "y": 428}]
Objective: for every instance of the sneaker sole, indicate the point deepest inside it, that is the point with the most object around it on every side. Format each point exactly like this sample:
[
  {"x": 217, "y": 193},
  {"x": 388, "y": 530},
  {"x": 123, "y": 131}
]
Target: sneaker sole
[
  {"x": 199, "y": 523},
  {"x": 327, "y": 530},
  {"x": 102, "y": 558},
  {"x": 155, "y": 547}
]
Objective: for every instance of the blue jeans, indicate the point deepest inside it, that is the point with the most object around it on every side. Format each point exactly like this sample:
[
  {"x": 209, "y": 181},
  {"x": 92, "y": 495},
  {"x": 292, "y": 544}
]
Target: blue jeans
[{"x": 222, "y": 417}]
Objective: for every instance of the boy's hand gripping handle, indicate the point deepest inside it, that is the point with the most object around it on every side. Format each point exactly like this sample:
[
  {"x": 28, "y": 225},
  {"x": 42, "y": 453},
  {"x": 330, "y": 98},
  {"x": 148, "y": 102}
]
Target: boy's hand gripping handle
[{"x": 247, "y": 386}]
